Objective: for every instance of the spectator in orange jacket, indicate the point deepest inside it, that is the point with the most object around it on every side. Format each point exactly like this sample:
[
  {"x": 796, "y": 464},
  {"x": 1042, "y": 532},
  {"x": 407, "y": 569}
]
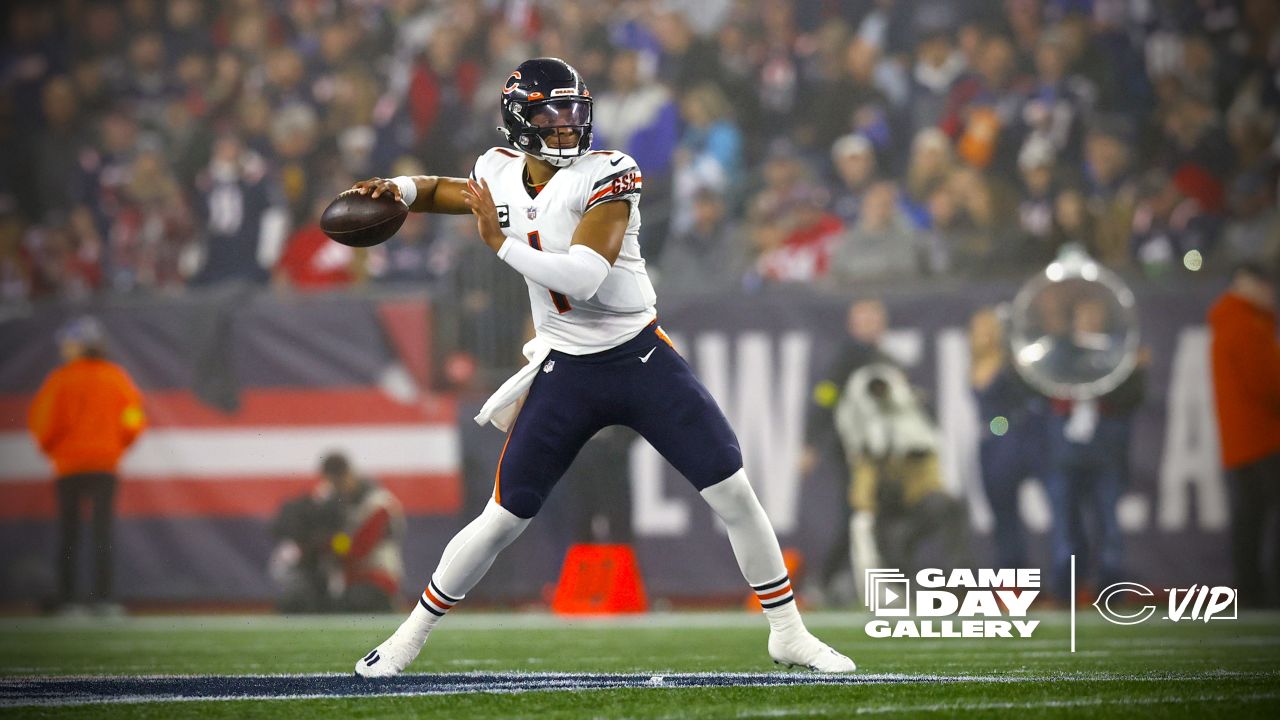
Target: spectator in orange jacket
[
  {"x": 1246, "y": 382},
  {"x": 86, "y": 414}
]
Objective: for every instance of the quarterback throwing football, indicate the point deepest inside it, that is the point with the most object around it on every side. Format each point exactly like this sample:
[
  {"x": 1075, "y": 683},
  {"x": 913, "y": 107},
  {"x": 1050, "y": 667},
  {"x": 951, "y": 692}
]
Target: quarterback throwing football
[{"x": 567, "y": 219}]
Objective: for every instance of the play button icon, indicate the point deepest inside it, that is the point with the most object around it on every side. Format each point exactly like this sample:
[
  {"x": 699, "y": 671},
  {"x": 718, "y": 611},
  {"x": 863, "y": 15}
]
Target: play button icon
[{"x": 888, "y": 592}]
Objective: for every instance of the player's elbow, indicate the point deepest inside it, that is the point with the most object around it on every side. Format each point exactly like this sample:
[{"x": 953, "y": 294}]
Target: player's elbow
[
  {"x": 591, "y": 274},
  {"x": 584, "y": 288}
]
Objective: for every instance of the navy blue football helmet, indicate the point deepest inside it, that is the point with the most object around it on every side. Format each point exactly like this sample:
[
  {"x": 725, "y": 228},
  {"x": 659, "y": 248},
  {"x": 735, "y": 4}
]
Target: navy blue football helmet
[{"x": 546, "y": 111}]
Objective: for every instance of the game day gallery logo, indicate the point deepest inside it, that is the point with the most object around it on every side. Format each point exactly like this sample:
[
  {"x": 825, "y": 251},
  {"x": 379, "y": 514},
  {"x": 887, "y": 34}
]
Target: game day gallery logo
[{"x": 961, "y": 604}]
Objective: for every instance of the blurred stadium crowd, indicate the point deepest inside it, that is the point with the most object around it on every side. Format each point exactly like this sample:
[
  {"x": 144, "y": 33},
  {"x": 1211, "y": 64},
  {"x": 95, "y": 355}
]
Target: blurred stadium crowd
[{"x": 150, "y": 146}]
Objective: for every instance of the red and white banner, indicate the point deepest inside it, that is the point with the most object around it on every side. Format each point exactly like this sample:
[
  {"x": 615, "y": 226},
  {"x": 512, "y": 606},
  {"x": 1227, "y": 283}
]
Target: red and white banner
[{"x": 194, "y": 460}]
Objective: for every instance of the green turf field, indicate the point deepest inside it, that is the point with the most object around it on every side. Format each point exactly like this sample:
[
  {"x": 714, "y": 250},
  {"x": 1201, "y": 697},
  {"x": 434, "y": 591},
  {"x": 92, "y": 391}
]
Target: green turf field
[{"x": 1228, "y": 669}]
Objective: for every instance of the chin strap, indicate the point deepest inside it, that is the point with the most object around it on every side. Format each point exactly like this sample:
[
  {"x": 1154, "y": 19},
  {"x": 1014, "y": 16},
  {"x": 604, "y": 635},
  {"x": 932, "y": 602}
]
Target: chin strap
[{"x": 560, "y": 162}]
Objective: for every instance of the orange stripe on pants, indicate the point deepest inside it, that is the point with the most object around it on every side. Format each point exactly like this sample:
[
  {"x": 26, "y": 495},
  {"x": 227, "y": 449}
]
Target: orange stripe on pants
[{"x": 497, "y": 475}]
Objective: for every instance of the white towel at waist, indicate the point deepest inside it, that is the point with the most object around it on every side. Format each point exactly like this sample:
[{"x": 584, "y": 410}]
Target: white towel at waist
[{"x": 504, "y": 404}]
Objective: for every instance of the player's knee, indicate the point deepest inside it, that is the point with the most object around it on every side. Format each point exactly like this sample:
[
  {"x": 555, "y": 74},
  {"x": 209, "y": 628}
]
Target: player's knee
[
  {"x": 732, "y": 498},
  {"x": 728, "y": 461},
  {"x": 522, "y": 503},
  {"x": 715, "y": 468}
]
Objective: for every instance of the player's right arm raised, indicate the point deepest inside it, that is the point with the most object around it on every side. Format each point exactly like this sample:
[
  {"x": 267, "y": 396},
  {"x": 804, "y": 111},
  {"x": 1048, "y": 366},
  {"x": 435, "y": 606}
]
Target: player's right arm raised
[{"x": 435, "y": 194}]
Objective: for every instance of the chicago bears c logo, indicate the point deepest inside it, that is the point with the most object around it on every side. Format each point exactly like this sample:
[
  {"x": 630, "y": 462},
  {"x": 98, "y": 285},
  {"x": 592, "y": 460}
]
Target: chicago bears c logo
[{"x": 512, "y": 85}]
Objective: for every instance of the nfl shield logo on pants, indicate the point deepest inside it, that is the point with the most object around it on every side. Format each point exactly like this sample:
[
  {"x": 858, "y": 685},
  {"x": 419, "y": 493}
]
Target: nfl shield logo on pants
[{"x": 549, "y": 366}]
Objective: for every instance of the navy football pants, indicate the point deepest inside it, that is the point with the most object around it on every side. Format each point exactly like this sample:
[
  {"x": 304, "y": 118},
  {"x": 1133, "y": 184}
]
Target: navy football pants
[{"x": 643, "y": 384}]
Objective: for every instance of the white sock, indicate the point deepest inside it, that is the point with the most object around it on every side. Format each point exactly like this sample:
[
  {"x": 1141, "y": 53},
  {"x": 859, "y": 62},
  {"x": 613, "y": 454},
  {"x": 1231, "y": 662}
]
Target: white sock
[
  {"x": 756, "y": 548},
  {"x": 421, "y": 621},
  {"x": 465, "y": 560},
  {"x": 779, "y": 605}
]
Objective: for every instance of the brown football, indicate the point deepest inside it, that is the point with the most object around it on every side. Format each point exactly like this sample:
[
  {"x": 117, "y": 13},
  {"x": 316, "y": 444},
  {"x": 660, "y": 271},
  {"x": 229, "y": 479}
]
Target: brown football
[{"x": 362, "y": 221}]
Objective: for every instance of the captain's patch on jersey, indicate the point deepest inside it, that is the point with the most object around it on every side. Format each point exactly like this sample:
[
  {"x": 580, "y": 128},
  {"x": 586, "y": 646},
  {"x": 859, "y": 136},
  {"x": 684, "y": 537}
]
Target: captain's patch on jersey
[{"x": 504, "y": 216}]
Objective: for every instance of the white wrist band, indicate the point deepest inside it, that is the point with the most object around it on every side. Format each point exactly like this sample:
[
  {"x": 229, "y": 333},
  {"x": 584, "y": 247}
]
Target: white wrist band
[{"x": 408, "y": 188}]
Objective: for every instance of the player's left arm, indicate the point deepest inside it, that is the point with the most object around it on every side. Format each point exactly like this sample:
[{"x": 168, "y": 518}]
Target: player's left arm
[
  {"x": 577, "y": 273},
  {"x": 603, "y": 227}
]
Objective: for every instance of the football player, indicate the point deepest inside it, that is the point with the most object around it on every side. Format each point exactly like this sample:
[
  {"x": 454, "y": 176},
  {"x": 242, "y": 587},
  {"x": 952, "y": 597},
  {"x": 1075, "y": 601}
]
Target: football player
[{"x": 567, "y": 218}]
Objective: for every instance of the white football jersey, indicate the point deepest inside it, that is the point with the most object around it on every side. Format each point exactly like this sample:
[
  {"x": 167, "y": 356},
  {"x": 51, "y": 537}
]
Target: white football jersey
[{"x": 624, "y": 304}]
